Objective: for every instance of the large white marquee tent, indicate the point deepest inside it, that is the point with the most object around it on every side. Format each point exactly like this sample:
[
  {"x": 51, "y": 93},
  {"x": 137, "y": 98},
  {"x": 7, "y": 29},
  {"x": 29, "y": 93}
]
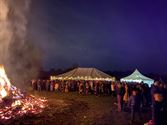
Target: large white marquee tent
[
  {"x": 136, "y": 76},
  {"x": 84, "y": 74}
]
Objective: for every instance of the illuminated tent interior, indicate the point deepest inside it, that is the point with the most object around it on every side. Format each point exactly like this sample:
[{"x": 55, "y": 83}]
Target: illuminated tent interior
[
  {"x": 136, "y": 76},
  {"x": 84, "y": 74}
]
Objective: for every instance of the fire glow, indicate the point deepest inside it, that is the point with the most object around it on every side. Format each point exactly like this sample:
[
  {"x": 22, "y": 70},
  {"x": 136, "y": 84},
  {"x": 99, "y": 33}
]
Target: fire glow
[{"x": 14, "y": 103}]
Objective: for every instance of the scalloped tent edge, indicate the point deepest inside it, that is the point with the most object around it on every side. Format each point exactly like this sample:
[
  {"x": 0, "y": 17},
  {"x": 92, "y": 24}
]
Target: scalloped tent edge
[{"x": 84, "y": 74}]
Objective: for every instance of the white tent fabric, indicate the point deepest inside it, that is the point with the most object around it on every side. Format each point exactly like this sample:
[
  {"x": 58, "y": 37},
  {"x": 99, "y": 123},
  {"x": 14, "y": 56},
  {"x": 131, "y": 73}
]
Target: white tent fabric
[
  {"x": 136, "y": 76},
  {"x": 84, "y": 74}
]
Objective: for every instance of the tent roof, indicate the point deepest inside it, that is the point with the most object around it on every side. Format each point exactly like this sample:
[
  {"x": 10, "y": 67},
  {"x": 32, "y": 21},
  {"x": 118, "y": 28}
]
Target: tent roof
[
  {"x": 136, "y": 76},
  {"x": 85, "y": 74}
]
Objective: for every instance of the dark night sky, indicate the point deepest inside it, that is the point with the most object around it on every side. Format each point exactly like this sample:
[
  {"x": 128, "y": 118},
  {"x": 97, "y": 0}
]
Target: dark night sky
[{"x": 117, "y": 35}]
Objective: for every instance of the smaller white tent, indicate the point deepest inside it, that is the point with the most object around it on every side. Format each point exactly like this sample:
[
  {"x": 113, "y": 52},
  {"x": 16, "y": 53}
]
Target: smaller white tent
[{"x": 136, "y": 76}]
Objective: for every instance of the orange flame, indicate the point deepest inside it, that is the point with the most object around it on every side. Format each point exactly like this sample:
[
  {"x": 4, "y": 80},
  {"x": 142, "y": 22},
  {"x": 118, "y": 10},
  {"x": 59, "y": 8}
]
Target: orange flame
[
  {"x": 4, "y": 83},
  {"x": 26, "y": 103}
]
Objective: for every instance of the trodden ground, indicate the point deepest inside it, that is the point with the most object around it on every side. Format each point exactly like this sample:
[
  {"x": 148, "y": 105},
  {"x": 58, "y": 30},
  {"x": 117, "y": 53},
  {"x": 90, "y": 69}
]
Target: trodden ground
[{"x": 74, "y": 109}]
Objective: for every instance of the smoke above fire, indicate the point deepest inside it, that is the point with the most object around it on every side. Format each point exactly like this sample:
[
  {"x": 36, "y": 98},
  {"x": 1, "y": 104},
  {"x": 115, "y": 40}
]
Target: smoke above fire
[{"x": 18, "y": 54}]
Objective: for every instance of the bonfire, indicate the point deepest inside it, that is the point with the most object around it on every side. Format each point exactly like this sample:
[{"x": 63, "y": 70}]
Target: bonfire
[{"x": 15, "y": 103}]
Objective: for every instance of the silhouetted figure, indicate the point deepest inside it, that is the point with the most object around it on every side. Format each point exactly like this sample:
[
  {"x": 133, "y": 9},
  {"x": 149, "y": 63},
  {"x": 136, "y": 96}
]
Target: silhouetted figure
[
  {"x": 134, "y": 104},
  {"x": 120, "y": 93}
]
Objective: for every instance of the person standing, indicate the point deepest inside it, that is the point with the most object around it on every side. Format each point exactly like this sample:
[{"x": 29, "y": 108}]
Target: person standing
[
  {"x": 158, "y": 109},
  {"x": 39, "y": 85},
  {"x": 56, "y": 87},
  {"x": 33, "y": 83},
  {"x": 126, "y": 95},
  {"x": 47, "y": 85},
  {"x": 120, "y": 93},
  {"x": 101, "y": 88},
  {"x": 87, "y": 88},
  {"x": 66, "y": 87},
  {"x": 134, "y": 104},
  {"x": 112, "y": 89},
  {"x": 91, "y": 87},
  {"x": 80, "y": 88},
  {"x": 51, "y": 86},
  {"x": 154, "y": 89},
  {"x": 95, "y": 88}
]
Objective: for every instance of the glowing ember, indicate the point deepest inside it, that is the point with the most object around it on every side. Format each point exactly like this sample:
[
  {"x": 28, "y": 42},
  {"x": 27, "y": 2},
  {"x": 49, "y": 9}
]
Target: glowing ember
[
  {"x": 16, "y": 103},
  {"x": 13, "y": 103}
]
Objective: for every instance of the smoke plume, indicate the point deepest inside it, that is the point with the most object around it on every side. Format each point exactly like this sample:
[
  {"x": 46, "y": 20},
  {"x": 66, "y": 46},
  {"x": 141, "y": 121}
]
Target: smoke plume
[{"x": 18, "y": 54}]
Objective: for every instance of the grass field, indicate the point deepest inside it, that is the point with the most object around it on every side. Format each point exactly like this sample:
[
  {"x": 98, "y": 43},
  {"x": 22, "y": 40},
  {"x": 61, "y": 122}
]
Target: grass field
[{"x": 74, "y": 109}]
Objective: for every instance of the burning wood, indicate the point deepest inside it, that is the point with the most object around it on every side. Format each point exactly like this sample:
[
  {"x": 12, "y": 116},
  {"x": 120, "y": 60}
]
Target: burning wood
[{"x": 14, "y": 103}]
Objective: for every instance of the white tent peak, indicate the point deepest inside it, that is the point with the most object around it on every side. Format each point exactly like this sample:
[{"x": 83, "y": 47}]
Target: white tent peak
[{"x": 136, "y": 70}]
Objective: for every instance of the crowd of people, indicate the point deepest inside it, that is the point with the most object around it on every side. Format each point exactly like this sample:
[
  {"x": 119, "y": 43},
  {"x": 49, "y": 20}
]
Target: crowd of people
[
  {"x": 139, "y": 96},
  {"x": 83, "y": 87},
  {"x": 135, "y": 96}
]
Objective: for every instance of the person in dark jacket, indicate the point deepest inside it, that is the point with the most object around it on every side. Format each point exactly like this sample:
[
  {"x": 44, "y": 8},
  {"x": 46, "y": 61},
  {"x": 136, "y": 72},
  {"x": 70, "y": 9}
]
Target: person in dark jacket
[
  {"x": 154, "y": 89},
  {"x": 158, "y": 109},
  {"x": 47, "y": 85},
  {"x": 134, "y": 104},
  {"x": 155, "y": 94},
  {"x": 39, "y": 85},
  {"x": 120, "y": 94}
]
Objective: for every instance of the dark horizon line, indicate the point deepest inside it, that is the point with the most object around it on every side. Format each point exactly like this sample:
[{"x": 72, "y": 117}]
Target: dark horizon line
[{"x": 111, "y": 71}]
